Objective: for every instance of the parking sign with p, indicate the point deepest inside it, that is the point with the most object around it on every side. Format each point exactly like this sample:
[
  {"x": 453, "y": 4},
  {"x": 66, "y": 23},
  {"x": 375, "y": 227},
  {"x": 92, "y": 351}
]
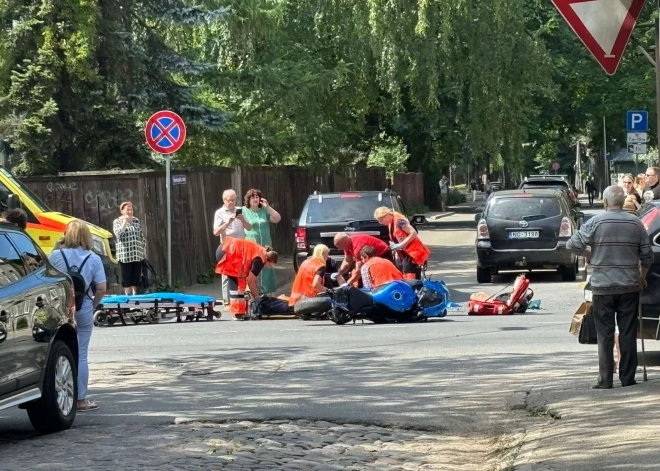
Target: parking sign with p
[{"x": 637, "y": 121}]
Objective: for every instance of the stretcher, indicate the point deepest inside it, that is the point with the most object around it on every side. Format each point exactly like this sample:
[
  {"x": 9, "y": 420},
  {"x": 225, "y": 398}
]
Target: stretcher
[{"x": 153, "y": 307}]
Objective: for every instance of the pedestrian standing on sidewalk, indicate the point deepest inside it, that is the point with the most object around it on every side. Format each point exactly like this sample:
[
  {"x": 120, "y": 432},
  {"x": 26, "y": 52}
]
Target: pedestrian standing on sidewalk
[
  {"x": 444, "y": 191},
  {"x": 131, "y": 247},
  {"x": 260, "y": 215},
  {"x": 473, "y": 187},
  {"x": 78, "y": 251},
  {"x": 227, "y": 223},
  {"x": 652, "y": 188},
  {"x": 617, "y": 246}
]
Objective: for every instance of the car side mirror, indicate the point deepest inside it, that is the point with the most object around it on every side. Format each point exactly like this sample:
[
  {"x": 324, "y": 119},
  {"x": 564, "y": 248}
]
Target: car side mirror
[
  {"x": 294, "y": 223},
  {"x": 13, "y": 202},
  {"x": 419, "y": 219},
  {"x": 477, "y": 217},
  {"x": 579, "y": 214}
]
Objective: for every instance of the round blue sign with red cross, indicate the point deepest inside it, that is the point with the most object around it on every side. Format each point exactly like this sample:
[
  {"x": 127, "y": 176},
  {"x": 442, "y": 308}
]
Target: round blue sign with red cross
[{"x": 165, "y": 132}]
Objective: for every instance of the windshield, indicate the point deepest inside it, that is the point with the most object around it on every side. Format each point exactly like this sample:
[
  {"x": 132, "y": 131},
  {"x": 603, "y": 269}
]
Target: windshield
[
  {"x": 546, "y": 184},
  {"x": 346, "y": 209},
  {"x": 34, "y": 198},
  {"x": 519, "y": 209}
]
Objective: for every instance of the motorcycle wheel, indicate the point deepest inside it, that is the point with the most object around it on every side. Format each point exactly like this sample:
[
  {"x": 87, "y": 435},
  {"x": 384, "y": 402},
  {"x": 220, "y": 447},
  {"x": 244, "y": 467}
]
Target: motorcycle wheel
[
  {"x": 379, "y": 320},
  {"x": 339, "y": 317},
  {"x": 306, "y": 307}
]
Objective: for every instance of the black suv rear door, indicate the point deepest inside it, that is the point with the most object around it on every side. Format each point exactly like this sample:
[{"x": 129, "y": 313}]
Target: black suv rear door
[
  {"x": 524, "y": 222},
  {"x": 353, "y": 213}
]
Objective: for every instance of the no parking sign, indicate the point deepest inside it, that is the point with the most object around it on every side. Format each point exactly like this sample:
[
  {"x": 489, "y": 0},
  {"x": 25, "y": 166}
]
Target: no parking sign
[{"x": 165, "y": 132}]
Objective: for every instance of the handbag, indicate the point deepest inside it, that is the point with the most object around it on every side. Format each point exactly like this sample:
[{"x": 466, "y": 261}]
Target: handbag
[{"x": 583, "y": 324}]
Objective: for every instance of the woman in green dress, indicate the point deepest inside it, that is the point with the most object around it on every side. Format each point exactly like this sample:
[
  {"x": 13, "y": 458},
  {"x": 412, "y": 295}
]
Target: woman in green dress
[{"x": 260, "y": 214}]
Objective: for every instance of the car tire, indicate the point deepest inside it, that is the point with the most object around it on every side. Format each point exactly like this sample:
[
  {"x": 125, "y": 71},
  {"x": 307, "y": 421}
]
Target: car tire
[
  {"x": 568, "y": 273},
  {"x": 56, "y": 410},
  {"x": 306, "y": 307},
  {"x": 483, "y": 275}
]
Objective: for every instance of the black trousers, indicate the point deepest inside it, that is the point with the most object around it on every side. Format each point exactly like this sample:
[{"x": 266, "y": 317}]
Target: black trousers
[
  {"x": 624, "y": 308},
  {"x": 591, "y": 194}
]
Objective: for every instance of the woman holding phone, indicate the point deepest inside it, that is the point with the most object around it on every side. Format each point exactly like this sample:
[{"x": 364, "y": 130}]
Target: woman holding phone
[{"x": 258, "y": 212}]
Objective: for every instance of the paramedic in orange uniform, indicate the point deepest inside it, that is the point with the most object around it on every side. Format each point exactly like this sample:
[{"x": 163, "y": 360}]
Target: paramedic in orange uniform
[
  {"x": 377, "y": 271},
  {"x": 310, "y": 276},
  {"x": 411, "y": 252},
  {"x": 241, "y": 261},
  {"x": 351, "y": 245}
]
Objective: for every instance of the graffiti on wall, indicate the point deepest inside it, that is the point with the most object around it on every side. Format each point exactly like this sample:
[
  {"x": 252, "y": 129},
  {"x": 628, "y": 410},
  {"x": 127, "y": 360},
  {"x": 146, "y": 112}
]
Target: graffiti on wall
[{"x": 108, "y": 201}]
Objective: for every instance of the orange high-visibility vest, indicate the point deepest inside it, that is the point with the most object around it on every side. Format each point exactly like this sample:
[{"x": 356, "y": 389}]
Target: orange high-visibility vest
[
  {"x": 303, "y": 284},
  {"x": 382, "y": 271},
  {"x": 239, "y": 254},
  {"x": 416, "y": 250}
]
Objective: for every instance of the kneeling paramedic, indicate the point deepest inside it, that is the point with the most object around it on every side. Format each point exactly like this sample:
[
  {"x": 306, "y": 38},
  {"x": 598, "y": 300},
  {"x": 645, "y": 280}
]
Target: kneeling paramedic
[
  {"x": 311, "y": 274},
  {"x": 351, "y": 245},
  {"x": 241, "y": 261},
  {"x": 411, "y": 253},
  {"x": 376, "y": 271}
]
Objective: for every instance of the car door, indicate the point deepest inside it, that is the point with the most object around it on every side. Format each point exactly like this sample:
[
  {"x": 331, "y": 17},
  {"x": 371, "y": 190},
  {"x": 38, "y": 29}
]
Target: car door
[
  {"x": 12, "y": 271},
  {"x": 31, "y": 330}
]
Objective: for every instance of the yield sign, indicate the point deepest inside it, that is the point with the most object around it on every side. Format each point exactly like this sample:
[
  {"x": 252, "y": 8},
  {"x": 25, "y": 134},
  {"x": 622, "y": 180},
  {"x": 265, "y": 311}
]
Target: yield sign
[{"x": 604, "y": 26}]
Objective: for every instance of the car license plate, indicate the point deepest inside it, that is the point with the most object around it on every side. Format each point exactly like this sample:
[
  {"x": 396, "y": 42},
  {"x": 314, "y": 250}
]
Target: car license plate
[{"x": 524, "y": 235}]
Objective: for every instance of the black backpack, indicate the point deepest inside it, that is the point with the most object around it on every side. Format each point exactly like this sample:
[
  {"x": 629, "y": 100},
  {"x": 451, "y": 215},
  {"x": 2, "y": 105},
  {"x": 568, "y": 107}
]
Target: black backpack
[{"x": 80, "y": 288}]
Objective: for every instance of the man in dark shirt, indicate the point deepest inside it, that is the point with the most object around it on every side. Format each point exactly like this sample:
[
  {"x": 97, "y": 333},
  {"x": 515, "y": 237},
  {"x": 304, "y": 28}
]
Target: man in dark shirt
[
  {"x": 652, "y": 189},
  {"x": 351, "y": 245}
]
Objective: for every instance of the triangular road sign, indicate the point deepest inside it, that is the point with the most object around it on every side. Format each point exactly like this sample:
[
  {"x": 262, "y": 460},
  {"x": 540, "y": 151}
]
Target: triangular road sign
[{"x": 604, "y": 26}]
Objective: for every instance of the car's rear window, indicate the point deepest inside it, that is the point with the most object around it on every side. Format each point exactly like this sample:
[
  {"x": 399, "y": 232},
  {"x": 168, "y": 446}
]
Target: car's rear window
[
  {"x": 518, "y": 209},
  {"x": 345, "y": 209},
  {"x": 546, "y": 184}
]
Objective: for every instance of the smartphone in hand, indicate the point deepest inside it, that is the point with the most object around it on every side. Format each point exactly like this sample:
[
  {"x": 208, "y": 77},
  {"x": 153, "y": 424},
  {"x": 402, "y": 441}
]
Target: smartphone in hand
[{"x": 239, "y": 211}]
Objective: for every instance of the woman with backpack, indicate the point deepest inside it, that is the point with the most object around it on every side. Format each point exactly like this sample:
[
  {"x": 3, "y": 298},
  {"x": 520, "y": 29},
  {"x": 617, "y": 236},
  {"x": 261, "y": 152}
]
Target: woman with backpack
[{"x": 77, "y": 259}]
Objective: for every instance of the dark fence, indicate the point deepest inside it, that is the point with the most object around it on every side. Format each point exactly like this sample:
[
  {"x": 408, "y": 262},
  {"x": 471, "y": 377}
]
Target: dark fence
[
  {"x": 410, "y": 186},
  {"x": 96, "y": 196}
]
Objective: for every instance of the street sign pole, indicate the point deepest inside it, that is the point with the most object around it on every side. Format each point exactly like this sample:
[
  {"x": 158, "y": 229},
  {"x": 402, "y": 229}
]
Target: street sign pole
[
  {"x": 165, "y": 132},
  {"x": 168, "y": 190},
  {"x": 605, "y": 170}
]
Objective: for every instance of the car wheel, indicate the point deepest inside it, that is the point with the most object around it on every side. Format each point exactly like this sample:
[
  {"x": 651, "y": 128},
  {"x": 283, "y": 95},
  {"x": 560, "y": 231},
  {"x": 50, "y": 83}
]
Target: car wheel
[
  {"x": 483, "y": 275},
  {"x": 568, "y": 273},
  {"x": 56, "y": 409}
]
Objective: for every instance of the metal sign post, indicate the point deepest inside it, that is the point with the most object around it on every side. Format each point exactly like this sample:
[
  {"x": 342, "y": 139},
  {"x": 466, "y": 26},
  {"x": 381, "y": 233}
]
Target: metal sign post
[{"x": 166, "y": 132}]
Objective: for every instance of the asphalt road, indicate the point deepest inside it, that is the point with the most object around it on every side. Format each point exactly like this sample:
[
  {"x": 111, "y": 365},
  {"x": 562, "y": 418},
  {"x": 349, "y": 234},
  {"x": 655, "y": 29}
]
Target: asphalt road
[{"x": 456, "y": 373}]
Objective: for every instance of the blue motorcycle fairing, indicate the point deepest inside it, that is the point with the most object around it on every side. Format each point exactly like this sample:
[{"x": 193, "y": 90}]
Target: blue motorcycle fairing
[
  {"x": 396, "y": 296},
  {"x": 439, "y": 308}
]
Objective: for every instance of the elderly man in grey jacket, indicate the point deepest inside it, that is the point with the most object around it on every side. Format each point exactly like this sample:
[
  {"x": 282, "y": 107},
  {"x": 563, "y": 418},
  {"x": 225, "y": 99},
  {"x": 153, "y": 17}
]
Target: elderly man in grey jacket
[{"x": 620, "y": 256}]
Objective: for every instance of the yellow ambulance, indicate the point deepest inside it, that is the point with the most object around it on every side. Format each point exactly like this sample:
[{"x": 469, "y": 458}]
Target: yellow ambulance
[{"x": 46, "y": 227}]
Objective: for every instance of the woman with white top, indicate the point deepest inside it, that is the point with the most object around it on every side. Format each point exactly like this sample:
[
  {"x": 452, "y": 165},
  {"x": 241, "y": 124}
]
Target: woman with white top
[{"x": 76, "y": 253}]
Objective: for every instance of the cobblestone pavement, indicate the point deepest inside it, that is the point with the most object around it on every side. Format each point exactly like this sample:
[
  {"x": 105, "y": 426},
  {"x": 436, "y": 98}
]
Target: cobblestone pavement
[{"x": 246, "y": 446}]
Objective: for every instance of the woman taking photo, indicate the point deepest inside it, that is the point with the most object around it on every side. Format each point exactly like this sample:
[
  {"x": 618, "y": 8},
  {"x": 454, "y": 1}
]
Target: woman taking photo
[
  {"x": 260, "y": 215},
  {"x": 76, "y": 251},
  {"x": 411, "y": 253},
  {"x": 241, "y": 261},
  {"x": 131, "y": 247}
]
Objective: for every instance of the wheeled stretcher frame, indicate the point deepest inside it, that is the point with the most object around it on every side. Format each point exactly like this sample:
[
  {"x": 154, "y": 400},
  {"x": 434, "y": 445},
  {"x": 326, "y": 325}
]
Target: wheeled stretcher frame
[{"x": 153, "y": 307}]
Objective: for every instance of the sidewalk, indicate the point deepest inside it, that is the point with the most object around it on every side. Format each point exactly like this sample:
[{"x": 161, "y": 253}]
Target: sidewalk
[
  {"x": 284, "y": 276},
  {"x": 584, "y": 429},
  {"x": 468, "y": 207}
]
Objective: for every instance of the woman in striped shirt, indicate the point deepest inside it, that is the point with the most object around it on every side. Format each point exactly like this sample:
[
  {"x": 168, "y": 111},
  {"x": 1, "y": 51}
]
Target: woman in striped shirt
[{"x": 131, "y": 247}]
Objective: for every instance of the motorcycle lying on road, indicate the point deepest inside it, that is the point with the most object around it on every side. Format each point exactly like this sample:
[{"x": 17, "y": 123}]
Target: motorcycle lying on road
[{"x": 397, "y": 301}]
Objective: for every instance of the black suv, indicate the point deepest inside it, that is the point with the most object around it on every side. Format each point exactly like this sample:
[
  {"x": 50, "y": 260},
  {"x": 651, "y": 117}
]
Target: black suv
[
  {"x": 38, "y": 345},
  {"x": 525, "y": 230},
  {"x": 326, "y": 214}
]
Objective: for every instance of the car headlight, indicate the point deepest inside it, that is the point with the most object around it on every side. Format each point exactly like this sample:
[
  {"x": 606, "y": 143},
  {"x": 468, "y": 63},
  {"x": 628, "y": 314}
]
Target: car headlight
[{"x": 99, "y": 245}]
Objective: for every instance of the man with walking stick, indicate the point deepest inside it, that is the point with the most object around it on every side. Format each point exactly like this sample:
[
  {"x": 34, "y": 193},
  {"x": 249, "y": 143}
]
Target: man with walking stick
[{"x": 620, "y": 256}]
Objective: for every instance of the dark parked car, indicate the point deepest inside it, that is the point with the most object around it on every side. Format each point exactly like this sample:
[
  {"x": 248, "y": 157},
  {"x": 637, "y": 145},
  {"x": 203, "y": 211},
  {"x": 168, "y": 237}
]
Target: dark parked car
[
  {"x": 525, "y": 230},
  {"x": 326, "y": 214},
  {"x": 38, "y": 345},
  {"x": 559, "y": 182}
]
